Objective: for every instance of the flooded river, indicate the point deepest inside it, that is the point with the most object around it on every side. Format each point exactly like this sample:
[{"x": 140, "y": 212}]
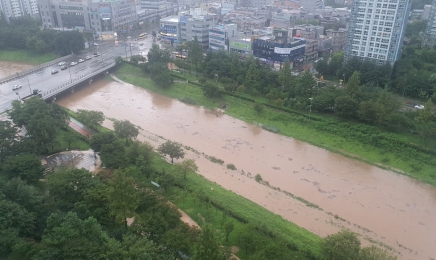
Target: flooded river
[
  {"x": 8, "y": 68},
  {"x": 391, "y": 209}
]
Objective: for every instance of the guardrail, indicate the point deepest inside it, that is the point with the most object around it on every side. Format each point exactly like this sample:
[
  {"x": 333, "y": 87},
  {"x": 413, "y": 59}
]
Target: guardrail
[
  {"x": 74, "y": 82},
  {"x": 33, "y": 69}
]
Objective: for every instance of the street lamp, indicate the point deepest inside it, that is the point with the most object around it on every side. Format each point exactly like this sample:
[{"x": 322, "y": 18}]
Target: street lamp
[
  {"x": 310, "y": 107},
  {"x": 18, "y": 96},
  {"x": 28, "y": 84}
]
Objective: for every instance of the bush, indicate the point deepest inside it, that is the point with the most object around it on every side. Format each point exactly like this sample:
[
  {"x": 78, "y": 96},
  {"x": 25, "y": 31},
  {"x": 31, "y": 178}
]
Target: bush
[
  {"x": 231, "y": 166},
  {"x": 271, "y": 128},
  {"x": 258, "y": 178},
  {"x": 216, "y": 160},
  {"x": 187, "y": 100}
]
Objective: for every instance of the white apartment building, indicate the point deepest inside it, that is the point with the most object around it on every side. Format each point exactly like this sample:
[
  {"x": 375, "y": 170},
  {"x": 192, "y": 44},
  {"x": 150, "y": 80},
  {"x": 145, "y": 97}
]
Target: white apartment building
[
  {"x": 18, "y": 8},
  {"x": 376, "y": 29}
]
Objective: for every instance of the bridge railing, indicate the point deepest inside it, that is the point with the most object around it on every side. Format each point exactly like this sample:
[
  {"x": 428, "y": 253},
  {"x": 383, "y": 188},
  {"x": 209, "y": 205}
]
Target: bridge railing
[
  {"x": 33, "y": 69},
  {"x": 75, "y": 81}
]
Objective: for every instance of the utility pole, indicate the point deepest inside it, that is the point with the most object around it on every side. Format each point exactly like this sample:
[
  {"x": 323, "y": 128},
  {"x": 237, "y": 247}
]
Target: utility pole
[{"x": 29, "y": 84}]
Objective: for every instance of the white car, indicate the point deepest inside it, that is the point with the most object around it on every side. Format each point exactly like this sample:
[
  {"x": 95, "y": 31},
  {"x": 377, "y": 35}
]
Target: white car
[
  {"x": 62, "y": 63},
  {"x": 81, "y": 60},
  {"x": 73, "y": 63},
  {"x": 16, "y": 87},
  {"x": 95, "y": 44},
  {"x": 88, "y": 57},
  {"x": 419, "y": 106}
]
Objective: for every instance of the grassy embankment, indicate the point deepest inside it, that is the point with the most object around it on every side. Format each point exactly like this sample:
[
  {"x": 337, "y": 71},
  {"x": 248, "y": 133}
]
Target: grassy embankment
[
  {"x": 323, "y": 131},
  {"x": 187, "y": 196},
  {"x": 26, "y": 56}
]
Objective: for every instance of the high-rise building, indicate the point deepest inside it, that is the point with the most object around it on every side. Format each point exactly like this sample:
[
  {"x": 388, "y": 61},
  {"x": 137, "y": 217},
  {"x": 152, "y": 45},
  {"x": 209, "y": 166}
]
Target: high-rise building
[
  {"x": 376, "y": 30},
  {"x": 430, "y": 30},
  {"x": 18, "y": 8}
]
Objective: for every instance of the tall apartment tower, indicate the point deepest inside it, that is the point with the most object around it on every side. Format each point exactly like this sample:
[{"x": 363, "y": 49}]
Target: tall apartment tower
[
  {"x": 18, "y": 8},
  {"x": 430, "y": 30},
  {"x": 376, "y": 30}
]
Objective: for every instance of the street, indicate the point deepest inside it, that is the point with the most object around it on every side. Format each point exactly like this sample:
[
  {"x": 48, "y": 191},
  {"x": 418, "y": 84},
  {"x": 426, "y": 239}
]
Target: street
[{"x": 45, "y": 81}]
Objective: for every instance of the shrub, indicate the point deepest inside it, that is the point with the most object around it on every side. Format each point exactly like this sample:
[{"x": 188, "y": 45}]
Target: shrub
[
  {"x": 258, "y": 177},
  {"x": 216, "y": 160},
  {"x": 187, "y": 100},
  {"x": 231, "y": 166},
  {"x": 271, "y": 128}
]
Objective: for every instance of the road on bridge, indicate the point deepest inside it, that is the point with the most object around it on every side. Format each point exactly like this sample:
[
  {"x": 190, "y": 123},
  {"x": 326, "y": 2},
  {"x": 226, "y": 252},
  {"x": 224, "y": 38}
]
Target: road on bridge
[{"x": 45, "y": 81}]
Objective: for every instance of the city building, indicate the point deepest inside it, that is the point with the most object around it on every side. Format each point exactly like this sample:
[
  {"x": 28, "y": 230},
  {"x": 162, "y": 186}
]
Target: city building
[
  {"x": 426, "y": 13},
  {"x": 311, "y": 5},
  {"x": 309, "y": 31},
  {"x": 169, "y": 29},
  {"x": 324, "y": 45},
  {"x": 199, "y": 27},
  {"x": 279, "y": 47},
  {"x": 219, "y": 36},
  {"x": 100, "y": 17},
  {"x": 376, "y": 30},
  {"x": 240, "y": 45},
  {"x": 430, "y": 30},
  {"x": 311, "y": 49},
  {"x": 338, "y": 39},
  {"x": 14, "y": 9}
]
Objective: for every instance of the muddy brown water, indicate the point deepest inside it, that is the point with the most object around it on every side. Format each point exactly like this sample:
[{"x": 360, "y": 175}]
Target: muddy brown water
[{"x": 393, "y": 210}]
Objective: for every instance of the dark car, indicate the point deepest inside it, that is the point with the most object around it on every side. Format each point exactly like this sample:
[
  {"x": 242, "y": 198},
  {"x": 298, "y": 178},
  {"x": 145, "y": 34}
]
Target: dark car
[{"x": 64, "y": 67}]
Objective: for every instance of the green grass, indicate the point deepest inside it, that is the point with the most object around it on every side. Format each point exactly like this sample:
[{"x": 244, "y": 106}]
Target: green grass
[
  {"x": 27, "y": 56},
  {"x": 289, "y": 126},
  {"x": 184, "y": 197},
  {"x": 79, "y": 142}
]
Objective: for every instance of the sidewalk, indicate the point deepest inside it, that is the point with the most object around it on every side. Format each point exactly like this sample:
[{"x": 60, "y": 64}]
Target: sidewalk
[{"x": 80, "y": 128}]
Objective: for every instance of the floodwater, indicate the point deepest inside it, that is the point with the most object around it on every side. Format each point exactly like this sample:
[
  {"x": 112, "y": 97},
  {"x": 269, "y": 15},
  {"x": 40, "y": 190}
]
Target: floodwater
[
  {"x": 87, "y": 160},
  {"x": 8, "y": 68},
  {"x": 391, "y": 209}
]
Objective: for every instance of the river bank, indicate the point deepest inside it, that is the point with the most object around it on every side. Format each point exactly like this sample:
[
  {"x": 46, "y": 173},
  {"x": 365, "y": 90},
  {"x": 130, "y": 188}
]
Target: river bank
[
  {"x": 383, "y": 207},
  {"x": 27, "y": 57},
  {"x": 341, "y": 138}
]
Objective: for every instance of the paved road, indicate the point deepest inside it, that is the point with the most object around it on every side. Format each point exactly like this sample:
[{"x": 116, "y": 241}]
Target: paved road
[{"x": 45, "y": 81}]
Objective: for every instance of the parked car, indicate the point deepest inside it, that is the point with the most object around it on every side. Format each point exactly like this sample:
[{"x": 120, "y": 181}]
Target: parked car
[
  {"x": 95, "y": 44},
  {"x": 88, "y": 57},
  {"x": 54, "y": 71},
  {"x": 62, "y": 63},
  {"x": 141, "y": 44},
  {"x": 419, "y": 106},
  {"x": 96, "y": 54},
  {"x": 73, "y": 63},
  {"x": 81, "y": 60},
  {"x": 17, "y": 87},
  {"x": 64, "y": 67}
]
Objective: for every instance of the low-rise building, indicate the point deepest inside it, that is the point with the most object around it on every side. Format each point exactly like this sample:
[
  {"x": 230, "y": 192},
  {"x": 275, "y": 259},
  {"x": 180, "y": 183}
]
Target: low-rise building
[
  {"x": 240, "y": 45},
  {"x": 279, "y": 47},
  {"x": 311, "y": 49},
  {"x": 219, "y": 36},
  {"x": 169, "y": 29},
  {"x": 338, "y": 38}
]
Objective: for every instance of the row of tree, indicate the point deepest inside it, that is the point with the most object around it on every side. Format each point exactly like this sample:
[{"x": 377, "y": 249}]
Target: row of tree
[{"x": 25, "y": 34}]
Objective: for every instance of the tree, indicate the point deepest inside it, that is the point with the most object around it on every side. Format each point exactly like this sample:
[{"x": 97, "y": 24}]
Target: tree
[
  {"x": 123, "y": 197},
  {"x": 307, "y": 86},
  {"x": 285, "y": 76},
  {"x": 375, "y": 253},
  {"x": 67, "y": 187},
  {"x": 186, "y": 166},
  {"x": 100, "y": 139},
  {"x": 25, "y": 166},
  {"x": 353, "y": 85},
  {"x": 252, "y": 78},
  {"x": 211, "y": 90},
  {"x": 206, "y": 247},
  {"x": 68, "y": 237},
  {"x": 8, "y": 138},
  {"x": 135, "y": 59},
  {"x": 228, "y": 228},
  {"x": 426, "y": 114},
  {"x": 195, "y": 52},
  {"x": 140, "y": 154},
  {"x": 341, "y": 246},
  {"x": 346, "y": 106},
  {"x": 41, "y": 120},
  {"x": 258, "y": 108},
  {"x": 15, "y": 222},
  {"x": 125, "y": 129},
  {"x": 371, "y": 112},
  {"x": 90, "y": 118},
  {"x": 172, "y": 149},
  {"x": 69, "y": 42},
  {"x": 157, "y": 55},
  {"x": 18, "y": 191},
  {"x": 247, "y": 238}
]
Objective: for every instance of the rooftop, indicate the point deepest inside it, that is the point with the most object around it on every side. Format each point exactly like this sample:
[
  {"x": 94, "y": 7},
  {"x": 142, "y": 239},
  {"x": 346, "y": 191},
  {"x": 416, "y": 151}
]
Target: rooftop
[{"x": 170, "y": 19}]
